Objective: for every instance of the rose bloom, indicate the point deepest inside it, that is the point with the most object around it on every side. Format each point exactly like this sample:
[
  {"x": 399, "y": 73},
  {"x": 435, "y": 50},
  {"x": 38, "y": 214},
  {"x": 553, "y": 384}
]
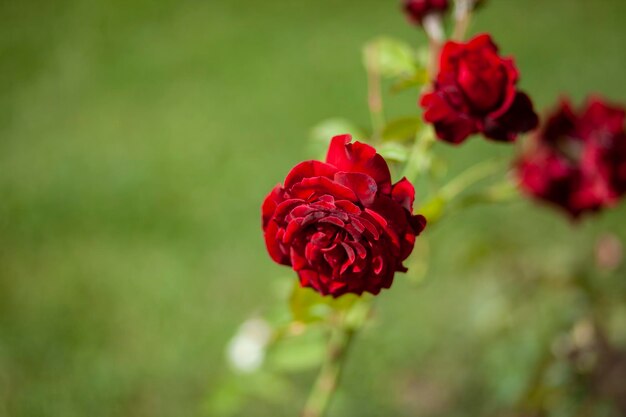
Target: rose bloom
[
  {"x": 416, "y": 10},
  {"x": 577, "y": 161},
  {"x": 475, "y": 92},
  {"x": 341, "y": 224}
]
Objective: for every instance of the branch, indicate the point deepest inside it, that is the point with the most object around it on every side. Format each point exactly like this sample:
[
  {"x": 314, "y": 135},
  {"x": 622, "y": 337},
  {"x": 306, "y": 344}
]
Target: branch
[{"x": 328, "y": 378}]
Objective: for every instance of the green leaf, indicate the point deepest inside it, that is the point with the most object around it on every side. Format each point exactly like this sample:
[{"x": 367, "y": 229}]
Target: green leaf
[
  {"x": 418, "y": 263},
  {"x": 298, "y": 353},
  {"x": 308, "y": 306},
  {"x": 359, "y": 313},
  {"x": 407, "y": 83},
  {"x": 422, "y": 55},
  {"x": 433, "y": 209},
  {"x": 393, "y": 151},
  {"x": 233, "y": 393},
  {"x": 326, "y": 129},
  {"x": 417, "y": 79},
  {"x": 226, "y": 399},
  {"x": 401, "y": 130},
  {"x": 391, "y": 57},
  {"x": 438, "y": 168},
  {"x": 322, "y": 133}
]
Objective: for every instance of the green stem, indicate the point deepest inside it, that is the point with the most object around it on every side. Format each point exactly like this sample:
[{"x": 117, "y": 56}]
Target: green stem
[
  {"x": 445, "y": 200},
  {"x": 468, "y": 178},
  {"x": 498, "y": 193},
  {"x": 374, "y": 91},
  {"x": 420, "y": 157},
  {"x": 328, "y": 377}
]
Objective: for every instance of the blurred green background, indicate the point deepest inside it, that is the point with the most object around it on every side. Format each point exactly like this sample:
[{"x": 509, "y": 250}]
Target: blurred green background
[{"x": 137, "y": 141}]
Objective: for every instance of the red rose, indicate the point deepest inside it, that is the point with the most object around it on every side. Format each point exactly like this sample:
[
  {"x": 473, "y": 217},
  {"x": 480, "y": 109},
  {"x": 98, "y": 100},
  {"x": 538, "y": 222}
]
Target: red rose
[
  {"x": 475, "y": 91},
  {"x": 577, "y": 161},
  {"x": 341, "y": 224},
  {"x": 416, "y": 10}
]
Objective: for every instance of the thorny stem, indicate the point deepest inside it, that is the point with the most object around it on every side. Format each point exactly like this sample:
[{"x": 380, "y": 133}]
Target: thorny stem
[
  {"x": 374, "y": 90},
  {"x": 328, "y": 377}
]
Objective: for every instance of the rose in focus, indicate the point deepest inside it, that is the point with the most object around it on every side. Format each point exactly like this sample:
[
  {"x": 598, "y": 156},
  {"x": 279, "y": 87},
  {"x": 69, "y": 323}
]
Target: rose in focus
[
  {"x": 475, "y": 92},
  {"x": 341, "y": 224},
  {"x": 577, "y": 161},
  {"x": 417, "y": 10}
]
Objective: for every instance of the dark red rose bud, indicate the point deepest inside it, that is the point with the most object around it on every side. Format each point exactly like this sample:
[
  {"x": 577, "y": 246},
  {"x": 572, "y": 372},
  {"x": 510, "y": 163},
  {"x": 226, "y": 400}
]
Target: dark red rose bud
[
  {"x": 416, "y": 10},
  {"x": 341, "y": 224},
  {"x": 475, "y": 92},
  {"x": 577, "y": 161}
]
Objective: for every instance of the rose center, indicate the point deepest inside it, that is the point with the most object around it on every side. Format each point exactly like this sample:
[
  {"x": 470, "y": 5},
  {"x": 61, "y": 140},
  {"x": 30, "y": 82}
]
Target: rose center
[
  {"x": 570, "y": 148},
  {"x": 483, "y": 80}
]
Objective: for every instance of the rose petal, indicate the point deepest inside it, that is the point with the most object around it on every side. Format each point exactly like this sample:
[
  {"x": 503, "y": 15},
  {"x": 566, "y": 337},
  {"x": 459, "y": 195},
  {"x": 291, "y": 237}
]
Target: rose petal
[
  {"x": 272, "y": 243},
  {"x": 310, "y": 188},
  {"x": 298, "y": 261},
  {"x": 483, "y": 41},
  {"x": 348, "y": 206},
  {"x": 418, "y": 223},
  {"x": 337, "y": 288},
  {"x": 519, "y": 118},
  {"x": 404, "y": 194},
  {"x": 450, "y": 125},
  {"x": 292, "y": 228},
  {"x": 359, "y": 157},
  {"x": 270, "y": 203},
  {"x": 362, "y": 185},
  {"x": 308, "y": 169},
  {"x": 332, "y": 220}
]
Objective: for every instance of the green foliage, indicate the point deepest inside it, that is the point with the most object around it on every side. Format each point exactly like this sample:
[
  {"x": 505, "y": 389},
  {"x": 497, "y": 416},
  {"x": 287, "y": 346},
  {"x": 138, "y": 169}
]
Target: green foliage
[
  {"x": 299, "y": 352},
  {"x": 433, "y": 209},
  {"x": 396, "y": 60},
  {"x": 415, "y": 80},
  {"x": 392, "y": 57},
  {"x": 308, "y": 306},
  {"x": 322, "y": 132},
  {"x": 231, "y": 396},
  {"x": 403, "y": 129},
  {"x": 393, "y": 151}
]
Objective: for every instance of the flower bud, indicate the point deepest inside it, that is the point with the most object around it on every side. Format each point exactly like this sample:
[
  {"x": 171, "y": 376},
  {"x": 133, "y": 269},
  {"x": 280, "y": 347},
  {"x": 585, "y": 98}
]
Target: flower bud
[{"x": 418, "y": 10}]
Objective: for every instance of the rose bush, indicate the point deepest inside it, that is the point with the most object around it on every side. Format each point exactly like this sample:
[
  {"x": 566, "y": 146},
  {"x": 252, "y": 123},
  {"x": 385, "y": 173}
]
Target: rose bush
[
  {"x": 577, "y": 161},
  {"x": 341, "y": 224},
  {"x": 475, "y": 92}
]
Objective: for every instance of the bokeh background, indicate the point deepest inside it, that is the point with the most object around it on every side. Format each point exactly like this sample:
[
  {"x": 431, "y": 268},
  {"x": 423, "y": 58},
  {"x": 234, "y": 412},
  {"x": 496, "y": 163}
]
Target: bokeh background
[{"x": 137, "y": 141}]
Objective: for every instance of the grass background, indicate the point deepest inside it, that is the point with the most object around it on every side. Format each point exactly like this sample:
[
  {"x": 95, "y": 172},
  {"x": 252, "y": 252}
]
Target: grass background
[{"x": 137, "y": 140}]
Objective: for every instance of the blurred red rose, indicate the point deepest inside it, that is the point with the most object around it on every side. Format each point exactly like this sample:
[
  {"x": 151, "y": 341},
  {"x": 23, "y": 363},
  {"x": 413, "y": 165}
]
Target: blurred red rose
[
  {"x": 341, "y": 224},
  {"x": 475, "y": 91},
  {"x": 416, "y": 10},
  {"x": 577, "y": 160}
]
